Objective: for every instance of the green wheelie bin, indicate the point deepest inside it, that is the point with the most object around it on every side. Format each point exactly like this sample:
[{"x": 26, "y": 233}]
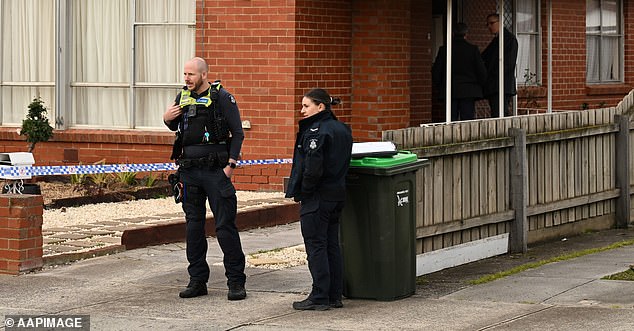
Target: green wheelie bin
[{"x": 378, "y": 225}]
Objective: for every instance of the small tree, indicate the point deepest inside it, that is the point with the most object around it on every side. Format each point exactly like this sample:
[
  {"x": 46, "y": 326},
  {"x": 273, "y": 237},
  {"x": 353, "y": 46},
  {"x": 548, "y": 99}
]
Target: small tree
[{"x": 35, "y": 126}]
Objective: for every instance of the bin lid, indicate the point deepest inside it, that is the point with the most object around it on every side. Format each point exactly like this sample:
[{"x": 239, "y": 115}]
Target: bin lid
[
  {"x": 377, "y": 149},
  {"x": 402, "y": 157}
]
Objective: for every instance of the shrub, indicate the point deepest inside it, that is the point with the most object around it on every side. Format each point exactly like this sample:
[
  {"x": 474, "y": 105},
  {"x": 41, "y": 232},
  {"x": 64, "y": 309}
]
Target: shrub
[
  {"x": 126, "y": 178},
  {"x": 36, "y": 127},
  {"x": 150, "y": 180}
]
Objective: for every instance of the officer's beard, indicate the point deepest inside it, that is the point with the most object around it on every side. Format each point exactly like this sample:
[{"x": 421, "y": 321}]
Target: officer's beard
[{"x": 197, "y": 87}]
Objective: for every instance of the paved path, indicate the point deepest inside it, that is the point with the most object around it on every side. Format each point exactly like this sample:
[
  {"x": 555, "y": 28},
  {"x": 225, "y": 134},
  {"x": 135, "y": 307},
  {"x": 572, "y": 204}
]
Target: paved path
[
  {"x": 61, "y": 244},
  {"x": 138, "y": 290}
]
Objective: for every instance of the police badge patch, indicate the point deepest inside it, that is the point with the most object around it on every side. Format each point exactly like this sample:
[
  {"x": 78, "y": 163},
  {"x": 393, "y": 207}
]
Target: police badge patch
[
  {"x": 232, "y": 99},
  {"x": 312, "y": 144}
]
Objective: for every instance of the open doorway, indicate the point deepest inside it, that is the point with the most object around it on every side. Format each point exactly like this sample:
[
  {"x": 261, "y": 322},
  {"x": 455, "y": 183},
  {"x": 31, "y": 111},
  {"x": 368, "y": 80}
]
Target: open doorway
[{"x": 474, "y": 15}]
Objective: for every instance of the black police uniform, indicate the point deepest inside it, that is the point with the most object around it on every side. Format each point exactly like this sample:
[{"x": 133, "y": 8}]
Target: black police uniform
[
  {"x": 320, "y": 163},
  {"x": 490, "y": 56},
  {"x": 201, "y": 174}
]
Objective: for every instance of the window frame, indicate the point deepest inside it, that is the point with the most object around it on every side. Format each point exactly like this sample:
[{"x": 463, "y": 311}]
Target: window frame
[
  {"x": 537, "y": 81},
  {"x": 52, "y": 108},
  {"x": 63, "y": 84},
  {"x": 621, "y": 43}
]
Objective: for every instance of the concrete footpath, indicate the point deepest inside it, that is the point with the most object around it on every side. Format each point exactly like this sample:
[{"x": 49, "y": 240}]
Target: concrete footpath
[{"x": 138, "y": 290}]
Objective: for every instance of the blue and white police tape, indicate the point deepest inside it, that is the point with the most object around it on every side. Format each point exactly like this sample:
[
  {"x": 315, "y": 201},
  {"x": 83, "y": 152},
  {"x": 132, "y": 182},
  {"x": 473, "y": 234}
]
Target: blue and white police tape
[{"x": 15, "y": 171}]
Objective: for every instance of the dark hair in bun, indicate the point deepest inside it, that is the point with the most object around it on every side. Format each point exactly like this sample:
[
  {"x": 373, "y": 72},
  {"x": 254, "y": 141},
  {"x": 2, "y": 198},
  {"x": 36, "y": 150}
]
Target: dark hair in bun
[{"x": 318, "y": 95}]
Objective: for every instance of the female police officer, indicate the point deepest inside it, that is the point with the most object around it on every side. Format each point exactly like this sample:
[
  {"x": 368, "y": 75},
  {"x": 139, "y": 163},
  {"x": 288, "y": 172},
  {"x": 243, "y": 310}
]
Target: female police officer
[{"x": 320, "y": 164}]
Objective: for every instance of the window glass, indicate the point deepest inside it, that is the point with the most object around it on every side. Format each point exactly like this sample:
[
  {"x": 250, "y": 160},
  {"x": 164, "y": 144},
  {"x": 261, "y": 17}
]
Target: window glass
[
  {"x": 528, "y": 39},
  {"x": 603, "y": 41},
  {"x": 609, "y": 18},
  {"x": 150, "y": 105},
  {"x": 164, "y": 40},
  {"x": 100, "y": 107},
  {"x": 101, "y": 62},
  {"x": 158, "y": 58},
  {"x": 103, "y": 72},
  {"x": 161, "y": 11},
  {"x": 27, "y": 57}
]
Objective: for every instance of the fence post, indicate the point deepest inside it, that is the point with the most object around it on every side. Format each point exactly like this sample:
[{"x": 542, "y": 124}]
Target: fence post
[
  {"x": 622, "y": 160},
  {"x": 518, "y": 172}
]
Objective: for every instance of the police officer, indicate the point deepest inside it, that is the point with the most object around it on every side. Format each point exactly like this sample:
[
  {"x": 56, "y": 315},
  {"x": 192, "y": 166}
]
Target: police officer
[
  {"x": 209, "y": 139},
  {"x": 320, "y": 164}
]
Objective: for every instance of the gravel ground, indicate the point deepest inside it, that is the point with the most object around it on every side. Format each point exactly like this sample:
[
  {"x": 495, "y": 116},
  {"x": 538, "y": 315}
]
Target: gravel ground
[
  {"x": 68, "y": 216},
  {"x": 278, "y": 258}
]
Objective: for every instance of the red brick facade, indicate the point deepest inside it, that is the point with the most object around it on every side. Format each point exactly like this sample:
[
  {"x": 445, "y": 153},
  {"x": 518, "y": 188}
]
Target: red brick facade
[
  {"x": 376, "y": 55},
  {"x": 20, "y": 233}
]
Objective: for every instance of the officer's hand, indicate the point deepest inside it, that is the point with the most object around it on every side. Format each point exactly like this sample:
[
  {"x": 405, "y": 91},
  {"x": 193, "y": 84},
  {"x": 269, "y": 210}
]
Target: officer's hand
[
  {"x": 172, "y": 112},
  {"x": 228, "y": 171}
]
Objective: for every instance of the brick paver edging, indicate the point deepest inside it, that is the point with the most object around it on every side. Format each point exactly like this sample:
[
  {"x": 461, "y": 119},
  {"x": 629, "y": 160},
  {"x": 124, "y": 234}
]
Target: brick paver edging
[{"x": 263, "y": 216}]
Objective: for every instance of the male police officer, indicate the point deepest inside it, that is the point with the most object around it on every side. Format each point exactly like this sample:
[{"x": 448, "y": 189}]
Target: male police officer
[{"x": 209, "y": 139}]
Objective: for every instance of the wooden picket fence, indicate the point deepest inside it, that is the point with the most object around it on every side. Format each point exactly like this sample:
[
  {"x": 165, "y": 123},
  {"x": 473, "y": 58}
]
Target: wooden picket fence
[{"x": 536, "y": 177}]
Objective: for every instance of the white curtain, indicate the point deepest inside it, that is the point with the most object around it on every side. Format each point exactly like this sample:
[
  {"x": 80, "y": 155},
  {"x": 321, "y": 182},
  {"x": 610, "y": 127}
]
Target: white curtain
[
  {"x": 101, "y": 44},
  {"x": 610, "y": 49},
  {"x": 592, "y": 58},
  {"x": 28, "y": 57},
  {"x": 610, "y": 54},
  {"x": 161, "y": 51},
  {"x": 526, "y": 59},
  {"x": 593, "y": 29},
  {"x": 527, "y": 40},
  {"x": 603, "y": 40},
  {"x": 102, "y": 33}
]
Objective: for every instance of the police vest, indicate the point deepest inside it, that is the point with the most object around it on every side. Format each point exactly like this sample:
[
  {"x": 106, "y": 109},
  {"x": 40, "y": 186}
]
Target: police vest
[{"x": 203, "y": 122}]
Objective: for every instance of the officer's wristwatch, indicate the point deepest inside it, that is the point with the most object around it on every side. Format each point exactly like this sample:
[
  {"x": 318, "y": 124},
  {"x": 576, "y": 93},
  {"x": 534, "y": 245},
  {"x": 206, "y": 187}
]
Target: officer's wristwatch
[{"x": 231, "y": 165}]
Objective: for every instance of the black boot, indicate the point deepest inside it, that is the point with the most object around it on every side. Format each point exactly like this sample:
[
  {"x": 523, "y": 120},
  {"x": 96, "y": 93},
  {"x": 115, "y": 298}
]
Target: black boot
[
  {"x": 309, "y": 305},
  {"x": 194, "y": 289},
  {"x": 236, "y": 292},
  {"x": 336, "y": 304}
]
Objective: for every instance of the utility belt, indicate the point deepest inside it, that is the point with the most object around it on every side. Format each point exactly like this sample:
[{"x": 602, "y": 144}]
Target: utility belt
[{"x": 215, "y": 156}]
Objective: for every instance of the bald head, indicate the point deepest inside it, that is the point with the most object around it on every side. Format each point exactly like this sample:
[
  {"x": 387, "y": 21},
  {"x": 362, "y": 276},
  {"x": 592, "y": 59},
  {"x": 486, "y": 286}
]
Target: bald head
[{"x": 200, "y": 64}]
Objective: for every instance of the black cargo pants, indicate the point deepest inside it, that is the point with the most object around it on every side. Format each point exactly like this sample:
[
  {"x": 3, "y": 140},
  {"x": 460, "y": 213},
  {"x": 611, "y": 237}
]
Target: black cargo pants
[
  {"x": 210, "y": 183},
  {"x": 319, "y": 220}
]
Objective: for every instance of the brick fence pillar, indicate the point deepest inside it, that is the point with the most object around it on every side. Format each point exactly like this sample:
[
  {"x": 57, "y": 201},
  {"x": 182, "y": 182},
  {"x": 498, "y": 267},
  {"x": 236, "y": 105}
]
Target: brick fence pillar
[{"x": 20, "y": 233}]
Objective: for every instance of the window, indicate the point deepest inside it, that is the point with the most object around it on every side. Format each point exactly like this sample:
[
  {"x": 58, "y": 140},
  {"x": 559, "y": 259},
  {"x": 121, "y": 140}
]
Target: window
[
  {"x": 527, "y": 32},
  {"x": 100, "y": 83},
  {"x": 603, "y": 41},
  {"x": 120, "y": 62},
  {"x": 163, "y": 49},
  {"x": 27, "y": 57}
]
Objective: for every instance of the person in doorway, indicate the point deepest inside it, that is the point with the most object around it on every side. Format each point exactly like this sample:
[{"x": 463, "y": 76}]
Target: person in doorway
[
  {"x": 491, "y": 61},
  {"x": 320, "y": 163},
  {"x": 209, "y": 139},
  {"x": 468, "y": 74}
]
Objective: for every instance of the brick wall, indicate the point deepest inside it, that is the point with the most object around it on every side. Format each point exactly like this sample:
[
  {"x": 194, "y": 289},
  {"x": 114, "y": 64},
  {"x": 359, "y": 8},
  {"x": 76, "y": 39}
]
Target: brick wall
[
  {"x": 421, "y": 61},
  {"x": 323, "y": 53},
  {"x": 381, "y": 57},
  {"x": 374, "y": 54},
  {"x": 89, "y": 146},
  {"x": 569, "y": 50},
  {"x": 20, "y": 233},
  {"x": 250, "y": 46}
]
